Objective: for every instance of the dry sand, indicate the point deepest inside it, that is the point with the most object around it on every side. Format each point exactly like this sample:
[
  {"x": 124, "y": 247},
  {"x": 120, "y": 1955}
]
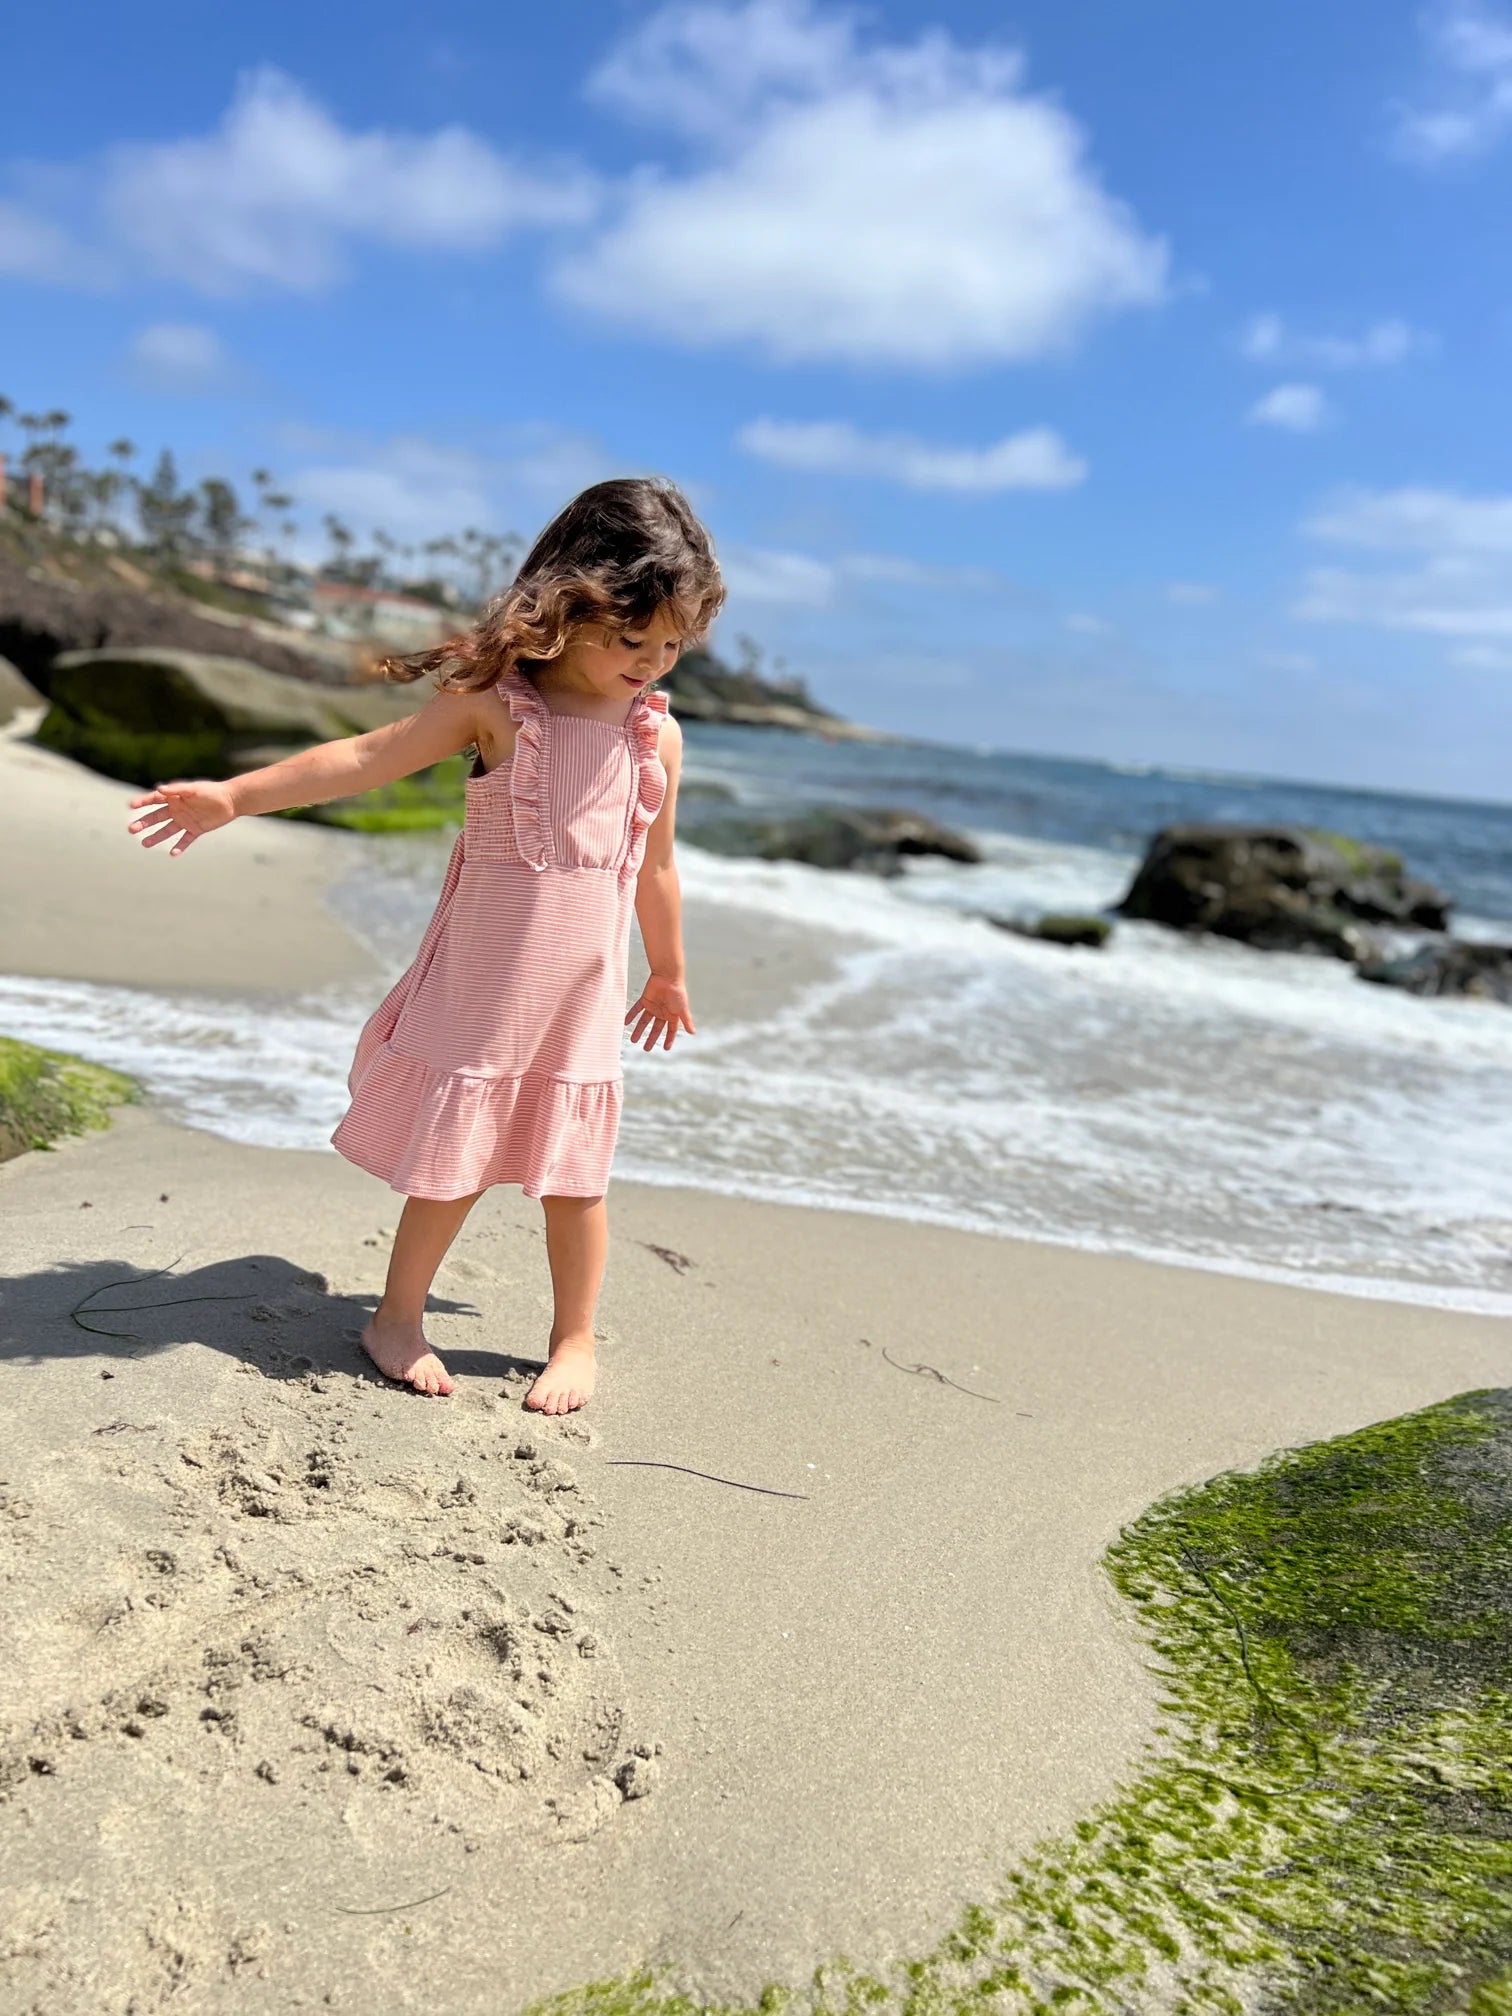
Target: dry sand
[
  {"x": 81, "y": 900},
  {"x": 284, "y": 1645}
]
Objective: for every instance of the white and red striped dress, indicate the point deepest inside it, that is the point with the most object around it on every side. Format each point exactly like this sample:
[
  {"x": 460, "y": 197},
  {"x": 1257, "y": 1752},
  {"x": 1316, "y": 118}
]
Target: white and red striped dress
[{"x": 496, "y": 1057}]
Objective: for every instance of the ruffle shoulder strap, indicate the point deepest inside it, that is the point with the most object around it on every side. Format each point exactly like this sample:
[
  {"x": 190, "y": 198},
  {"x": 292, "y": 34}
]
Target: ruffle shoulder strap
[
  {"x": 528, "y": 785},
  {"x": 650, "y": 779}
]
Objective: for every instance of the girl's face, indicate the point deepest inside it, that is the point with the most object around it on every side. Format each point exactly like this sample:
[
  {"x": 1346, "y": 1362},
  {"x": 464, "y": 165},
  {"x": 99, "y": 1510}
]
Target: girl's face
[{"x": 613, "y": 661}]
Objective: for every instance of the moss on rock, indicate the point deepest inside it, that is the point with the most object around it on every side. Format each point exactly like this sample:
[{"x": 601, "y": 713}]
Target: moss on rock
[
  {"x": 1329, "y": 1829},
  {"x": 1361, "y": 857},
  {"x": 422, "y": 803},
  {"x": 47, "y": 1093}
]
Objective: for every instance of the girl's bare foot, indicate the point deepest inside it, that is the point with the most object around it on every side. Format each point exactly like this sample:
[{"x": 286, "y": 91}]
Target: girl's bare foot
[
  {"x": 400, "y": 1351},
  {"x": 568, "y": 1379}
]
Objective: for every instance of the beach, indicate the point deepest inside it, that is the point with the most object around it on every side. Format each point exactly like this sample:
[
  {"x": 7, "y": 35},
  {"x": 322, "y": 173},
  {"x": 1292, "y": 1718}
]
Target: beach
[{"x": 325, "y": 1695}]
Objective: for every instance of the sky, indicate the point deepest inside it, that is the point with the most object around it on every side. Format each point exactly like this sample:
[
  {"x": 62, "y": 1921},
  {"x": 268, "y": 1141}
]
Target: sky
[{"x": 1125, "y": 380}]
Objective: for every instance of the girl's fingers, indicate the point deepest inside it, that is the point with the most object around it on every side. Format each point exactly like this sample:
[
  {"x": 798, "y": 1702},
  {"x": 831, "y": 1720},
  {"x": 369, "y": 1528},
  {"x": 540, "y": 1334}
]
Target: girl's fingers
[
  {"x": 169, "y": 828},
  {"x": 186, "y": 843},
  {"x": 147, "y": 798},
  {"x": 150, "y": 820}
]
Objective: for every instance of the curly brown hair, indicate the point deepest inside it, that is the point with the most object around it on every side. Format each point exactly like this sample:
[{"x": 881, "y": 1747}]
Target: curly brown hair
[{"x": 618, "y": 553}]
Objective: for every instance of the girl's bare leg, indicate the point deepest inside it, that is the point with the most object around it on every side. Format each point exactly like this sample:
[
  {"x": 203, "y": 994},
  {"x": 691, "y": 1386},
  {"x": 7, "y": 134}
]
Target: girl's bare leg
[
  {"x": 577, "y": 1242},
  {"x": 395, "y": 1335}
]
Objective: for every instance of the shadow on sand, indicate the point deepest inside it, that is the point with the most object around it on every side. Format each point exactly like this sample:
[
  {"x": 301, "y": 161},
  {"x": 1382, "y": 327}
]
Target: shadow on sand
[{"x": 259, "y": 1309}]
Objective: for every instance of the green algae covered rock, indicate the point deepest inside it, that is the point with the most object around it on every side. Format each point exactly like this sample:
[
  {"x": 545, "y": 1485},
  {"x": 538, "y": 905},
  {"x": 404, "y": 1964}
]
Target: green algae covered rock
[
  {"x": 1326, "y": 1827},
  {"x": 46, "y": 1093},
  {"x": 147, "y": 715}
]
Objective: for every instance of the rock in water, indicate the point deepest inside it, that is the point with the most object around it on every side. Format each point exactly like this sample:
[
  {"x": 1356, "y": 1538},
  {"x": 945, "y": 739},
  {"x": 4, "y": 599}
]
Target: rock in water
[
  {"x": 1058, "y": 928},
  {"x": 873, "y": 838},
  {"x": 146, "y": 715},
  {"x": 1481, "y": 972},
  {"x": 1280, "y": 888}
]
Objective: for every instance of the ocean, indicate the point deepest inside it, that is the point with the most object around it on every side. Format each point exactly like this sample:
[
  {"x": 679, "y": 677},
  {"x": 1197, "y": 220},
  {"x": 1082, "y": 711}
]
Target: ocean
[{"x": 1184, "y": 1099}]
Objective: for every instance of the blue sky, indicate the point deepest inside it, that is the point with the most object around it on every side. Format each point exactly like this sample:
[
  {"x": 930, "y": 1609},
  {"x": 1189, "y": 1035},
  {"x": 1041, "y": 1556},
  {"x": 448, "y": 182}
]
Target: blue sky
[{"x": 1125, "y": 381}]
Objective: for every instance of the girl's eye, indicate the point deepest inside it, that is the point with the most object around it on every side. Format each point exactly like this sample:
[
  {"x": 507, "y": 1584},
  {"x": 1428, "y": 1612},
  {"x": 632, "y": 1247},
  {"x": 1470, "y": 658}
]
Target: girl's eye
[{"x": 632, "y": 643}]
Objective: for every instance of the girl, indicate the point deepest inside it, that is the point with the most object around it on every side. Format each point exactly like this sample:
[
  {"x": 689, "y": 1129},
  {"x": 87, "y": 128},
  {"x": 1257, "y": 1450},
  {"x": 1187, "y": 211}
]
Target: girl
[{"x": 496, "y": 1057}]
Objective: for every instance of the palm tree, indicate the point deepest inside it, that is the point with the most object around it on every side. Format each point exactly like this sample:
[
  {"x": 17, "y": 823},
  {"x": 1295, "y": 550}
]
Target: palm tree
[
  {"x": 222, "y": 516},
  {"x": 340, "y": 536},
  {"x": 488, "y": 555},
  {"x": 167, "y": 513},
  {"x": 271, "y": 503}
]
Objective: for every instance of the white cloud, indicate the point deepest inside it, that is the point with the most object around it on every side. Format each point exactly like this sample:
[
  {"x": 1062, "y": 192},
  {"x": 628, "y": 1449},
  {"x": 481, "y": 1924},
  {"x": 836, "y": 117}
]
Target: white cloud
[
  {"x": 894, "y": 570},
  {"x": 765, "y": 574},
  {"x": 756, "y": 574},
  {"x": 1469, "y": 105},
  {"x": 32, "y": 247},
  {"x": 1087, "y": 626},
  {"x": 278, "y": 195},
  {"x": 411, "y": 487},
  {"x": 1457, "y": 580},
  {"x": 280, "y": 189},
  {"x": 1267, "y": 340},
  {"x": 181, "y": 357},
  {"x": 1416, "y": 520},
  {"x": 904, "y": 204},
  {"x": 1301, "y": 409},
  {"x": 1191, "y": 593},
  {"x": 1484, "y": 657},
  {"x": 1035, "y": 459},
  {"x": 417, "y": 489},
  {"x": 704, "y": 69}
]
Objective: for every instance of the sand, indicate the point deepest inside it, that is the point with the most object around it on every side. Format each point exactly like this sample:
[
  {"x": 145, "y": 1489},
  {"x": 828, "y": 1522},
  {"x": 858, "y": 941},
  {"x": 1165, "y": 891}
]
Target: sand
[
  {"x": 80, "y": 899},
  {"x": 285, "y": 1645}
]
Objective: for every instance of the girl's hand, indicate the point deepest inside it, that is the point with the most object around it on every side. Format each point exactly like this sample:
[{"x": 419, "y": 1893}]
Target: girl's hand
[
  {"x": 182, "y": 812},
  {"x": 663, "y": 1006}
]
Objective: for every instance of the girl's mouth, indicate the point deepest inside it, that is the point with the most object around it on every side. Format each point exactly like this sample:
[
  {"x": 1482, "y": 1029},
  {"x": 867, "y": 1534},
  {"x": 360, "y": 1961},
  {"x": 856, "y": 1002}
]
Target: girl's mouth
[{"x": 630, "y": 679}]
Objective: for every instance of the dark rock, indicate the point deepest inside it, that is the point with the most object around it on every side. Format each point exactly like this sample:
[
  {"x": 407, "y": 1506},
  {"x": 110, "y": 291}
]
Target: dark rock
[
  {"x": 702, "y": 688},
  {"x": 704, "y": 788},
  {"x": 1480, "y": 972},
  {"x": 871, "y": 838},
  {"x": 147, "y": 715},
  {"x": 16, "y": 692},
  {"x": 44, "y": 615},
  {"x": 1280, "y": 888},
  {"x": 1059, "y": 929}
]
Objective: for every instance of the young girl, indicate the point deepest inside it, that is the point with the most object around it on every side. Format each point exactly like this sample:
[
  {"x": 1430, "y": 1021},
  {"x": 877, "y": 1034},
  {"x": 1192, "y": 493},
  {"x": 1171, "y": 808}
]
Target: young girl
[{"x": 496, "y": 1057}]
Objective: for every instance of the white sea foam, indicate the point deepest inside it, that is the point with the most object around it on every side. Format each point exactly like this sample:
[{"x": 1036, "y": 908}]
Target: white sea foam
[{"x": 1185, "y": 1099}]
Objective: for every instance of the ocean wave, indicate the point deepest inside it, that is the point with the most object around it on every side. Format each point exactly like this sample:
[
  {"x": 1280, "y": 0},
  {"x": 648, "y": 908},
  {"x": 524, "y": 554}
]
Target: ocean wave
[{"x": 1178, "y": 1098}]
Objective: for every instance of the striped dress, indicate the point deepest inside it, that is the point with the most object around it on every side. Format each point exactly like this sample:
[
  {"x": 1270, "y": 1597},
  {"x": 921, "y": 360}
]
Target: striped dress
[{"x": 496, "y": 1057}]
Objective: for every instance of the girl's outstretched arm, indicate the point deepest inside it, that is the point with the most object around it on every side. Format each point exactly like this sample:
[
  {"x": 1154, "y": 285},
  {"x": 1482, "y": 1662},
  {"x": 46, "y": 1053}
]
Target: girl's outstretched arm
[
  {"x": 663, "y": 1006},
  {"x": 184, "y": 810}
]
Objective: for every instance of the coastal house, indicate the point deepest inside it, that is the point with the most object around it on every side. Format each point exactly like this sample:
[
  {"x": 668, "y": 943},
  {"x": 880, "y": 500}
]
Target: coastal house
[{"x": 342, "y": 609}]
